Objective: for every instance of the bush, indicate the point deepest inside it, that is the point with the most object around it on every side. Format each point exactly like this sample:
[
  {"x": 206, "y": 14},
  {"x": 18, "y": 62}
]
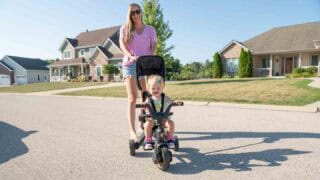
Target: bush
[
  {"x": 243, "y": 61},
  {"x": 217, "y": 66},
  {"x": 227, "y": 76},
  {"x": 299, "y": 70},
  {"x": 311, "y": 70},
  {"x": 110, "y": 69}
]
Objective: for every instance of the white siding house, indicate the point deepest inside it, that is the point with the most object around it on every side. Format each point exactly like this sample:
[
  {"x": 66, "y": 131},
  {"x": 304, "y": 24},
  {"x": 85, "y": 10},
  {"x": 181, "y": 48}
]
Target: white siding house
[{"x": 27, "y": 70}]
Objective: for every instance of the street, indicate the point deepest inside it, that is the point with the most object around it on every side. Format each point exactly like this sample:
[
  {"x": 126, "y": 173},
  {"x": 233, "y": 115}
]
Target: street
[{"x": 57, "y": 137}]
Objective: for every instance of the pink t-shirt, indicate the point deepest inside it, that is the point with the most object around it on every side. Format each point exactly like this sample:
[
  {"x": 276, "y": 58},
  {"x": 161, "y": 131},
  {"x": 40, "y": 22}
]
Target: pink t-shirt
[{"x": 140, "y": 45}]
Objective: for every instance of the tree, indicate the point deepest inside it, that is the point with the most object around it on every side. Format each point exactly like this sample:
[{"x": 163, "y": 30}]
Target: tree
[
  {"x": 110, "y": 69},
  {"x": 242, "y": 63},
  {"x": 173, "y": 66},
  {"x": 50, "y": 61},
  {"x": 249, "y": 64},
  {"x": 217, "y": 68},
  {"x": 153, "y": 16}
]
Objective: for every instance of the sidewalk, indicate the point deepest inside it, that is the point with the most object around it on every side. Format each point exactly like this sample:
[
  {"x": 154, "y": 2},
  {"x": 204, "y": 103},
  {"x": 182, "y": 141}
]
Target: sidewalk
[
  {"x": 314, "y": 107},
  {"x": 315, "y": 83},
  {"x": 77, "y": 89}
]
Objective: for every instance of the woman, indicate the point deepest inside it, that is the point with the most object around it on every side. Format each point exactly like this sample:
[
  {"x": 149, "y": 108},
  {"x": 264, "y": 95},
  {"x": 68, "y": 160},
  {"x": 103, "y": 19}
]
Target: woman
[{"x": 136, "y": 39}]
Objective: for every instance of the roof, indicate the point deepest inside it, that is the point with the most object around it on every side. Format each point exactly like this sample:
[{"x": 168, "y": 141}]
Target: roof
[
  {"x": 6, "y": 65},
  {"x": 230, "y": 43},
  {"x": 75, "y": 61},
  {"x": 96, "y": 37},
  {"x": 73, "y": 42},
  {"x": 30, "y": 63},
  {"x": 287, "y": 38},
  {"x": 108, "y": 53}
]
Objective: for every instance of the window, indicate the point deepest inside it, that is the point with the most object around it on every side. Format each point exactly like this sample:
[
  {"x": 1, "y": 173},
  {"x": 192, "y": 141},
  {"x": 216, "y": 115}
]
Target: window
[
  {"x": 314, "y": 60},
  {"x": 91, "y": 50},
  {"x": 265, "y": 63},
  {"x": 232, "y": 65},
  {"x": 67, "y": 54},
  {"x": 81, "y": 52},
  {"x": 98, "y": 69},
  {"x": 38, "y": 77}
]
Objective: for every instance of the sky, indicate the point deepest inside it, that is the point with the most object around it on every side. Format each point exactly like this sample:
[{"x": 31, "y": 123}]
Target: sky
[{"x": 36, "y": 28}]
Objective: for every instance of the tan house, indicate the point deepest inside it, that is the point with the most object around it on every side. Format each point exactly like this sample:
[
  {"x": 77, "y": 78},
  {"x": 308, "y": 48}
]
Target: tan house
[
  {"x": 278, "y": 51},
  {"x": 86, "y": 54}
]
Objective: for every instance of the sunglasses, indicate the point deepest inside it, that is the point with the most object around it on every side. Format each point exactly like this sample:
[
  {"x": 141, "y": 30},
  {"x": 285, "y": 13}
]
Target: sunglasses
[{"x": 135, "y": 12}]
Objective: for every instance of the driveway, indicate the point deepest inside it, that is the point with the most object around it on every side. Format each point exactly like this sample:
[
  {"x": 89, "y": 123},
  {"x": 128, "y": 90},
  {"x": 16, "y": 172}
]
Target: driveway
[{"x": 57, "y": 137}]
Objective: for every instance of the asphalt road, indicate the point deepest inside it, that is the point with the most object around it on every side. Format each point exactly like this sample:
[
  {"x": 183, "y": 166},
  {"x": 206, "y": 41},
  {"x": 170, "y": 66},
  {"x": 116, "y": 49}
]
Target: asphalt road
[{"x": 56, "y": 137}]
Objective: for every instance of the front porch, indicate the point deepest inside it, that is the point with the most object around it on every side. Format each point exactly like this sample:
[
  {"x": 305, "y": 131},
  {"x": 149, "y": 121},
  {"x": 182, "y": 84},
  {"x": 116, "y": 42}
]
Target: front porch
[
  {"x": 66, "y": 73},
  {"x": 283, "y": 64},
  {"x": 65, "y": 70}
]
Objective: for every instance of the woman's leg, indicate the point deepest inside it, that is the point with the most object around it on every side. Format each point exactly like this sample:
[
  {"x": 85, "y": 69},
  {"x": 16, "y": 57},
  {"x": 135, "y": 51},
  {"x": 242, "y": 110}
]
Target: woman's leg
[
  {"x": 142, "y": 82},
  {"x": 132, "y": 97}
]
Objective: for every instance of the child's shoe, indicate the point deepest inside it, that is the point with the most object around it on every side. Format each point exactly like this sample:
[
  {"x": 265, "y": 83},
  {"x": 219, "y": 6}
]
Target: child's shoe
[
  {"x": 170, "y": 141},
  {"x": 148, "y": 143},
  {"x": 171, "y": 144}
]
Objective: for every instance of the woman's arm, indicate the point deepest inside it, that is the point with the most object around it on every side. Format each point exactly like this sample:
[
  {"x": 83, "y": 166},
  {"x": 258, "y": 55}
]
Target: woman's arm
[
  {"x": 154, "y": 40},
  {"x": 153, "y": 48},
  {"x": 124, "y": 48}
]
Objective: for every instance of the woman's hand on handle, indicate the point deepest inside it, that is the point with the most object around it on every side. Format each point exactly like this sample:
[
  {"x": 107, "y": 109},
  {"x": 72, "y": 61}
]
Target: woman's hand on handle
[{"x": 135, "y": 58}]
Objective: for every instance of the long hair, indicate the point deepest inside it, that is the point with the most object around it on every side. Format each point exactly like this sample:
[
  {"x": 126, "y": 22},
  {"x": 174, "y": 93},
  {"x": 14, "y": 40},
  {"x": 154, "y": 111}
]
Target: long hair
[{"x": 129, "y": 26}]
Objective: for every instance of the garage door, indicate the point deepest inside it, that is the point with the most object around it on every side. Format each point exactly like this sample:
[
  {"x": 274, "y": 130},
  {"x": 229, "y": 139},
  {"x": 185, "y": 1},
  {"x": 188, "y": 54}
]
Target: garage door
[
  {"x": 21, "y": 79},
  {"x": 4, "y": 79}
]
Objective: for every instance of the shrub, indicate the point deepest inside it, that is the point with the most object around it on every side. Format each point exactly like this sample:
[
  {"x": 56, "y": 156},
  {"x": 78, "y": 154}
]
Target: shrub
[
  {"x": 217, "y": 66},
  {"x": 110, "y": 69},
  {"x": 242, "y": 63},
  {"x": 311, "y": 70},
  {"x": 227, "y": 76},
  {"x": 298, "y": 70}
]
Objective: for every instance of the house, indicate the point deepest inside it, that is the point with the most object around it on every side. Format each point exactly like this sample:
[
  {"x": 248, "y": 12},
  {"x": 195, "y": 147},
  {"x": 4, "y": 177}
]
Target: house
[
  {"x": 278, "y": 51},
  {"x": 6, "y": 74},
  {"x": 22, "y": 70},
  {"x": 86, "y": 54}
]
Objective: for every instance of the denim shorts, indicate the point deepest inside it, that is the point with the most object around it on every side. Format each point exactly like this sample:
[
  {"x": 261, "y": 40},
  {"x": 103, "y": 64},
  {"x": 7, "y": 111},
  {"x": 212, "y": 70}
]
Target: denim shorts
[{"x": 130, "y": 70}]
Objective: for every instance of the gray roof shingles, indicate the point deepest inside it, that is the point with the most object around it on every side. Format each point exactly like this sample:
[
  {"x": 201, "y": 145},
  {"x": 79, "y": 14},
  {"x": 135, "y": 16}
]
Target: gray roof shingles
[
  {"x": 288, "y": 38},
  {"x": 30, "y": 63}
]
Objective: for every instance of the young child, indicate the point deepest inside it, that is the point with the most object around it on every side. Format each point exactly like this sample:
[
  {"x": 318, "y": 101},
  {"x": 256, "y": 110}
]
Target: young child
[{"x": 155, "y": 86}]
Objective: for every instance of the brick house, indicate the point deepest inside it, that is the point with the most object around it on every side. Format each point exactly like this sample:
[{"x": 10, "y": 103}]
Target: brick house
[
  {"x": 86, "y": 54},
  {"x": 278, "y": 51}
]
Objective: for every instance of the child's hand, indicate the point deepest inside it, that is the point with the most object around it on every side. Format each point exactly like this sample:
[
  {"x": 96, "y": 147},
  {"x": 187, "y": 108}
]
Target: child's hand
[{"x": 178, "y": 102}]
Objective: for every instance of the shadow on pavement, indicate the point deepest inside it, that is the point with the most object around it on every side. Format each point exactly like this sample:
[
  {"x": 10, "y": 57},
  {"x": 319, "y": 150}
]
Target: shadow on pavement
[
  {"x": 268, "y": 137},
  {"x": 11, "y": 145},
  {"x": 191, "y": 161}
]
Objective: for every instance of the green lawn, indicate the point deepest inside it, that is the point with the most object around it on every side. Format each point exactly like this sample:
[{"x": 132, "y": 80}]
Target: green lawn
[
  {"x": 257, "y": 91},
  {"x": 37, "y": 87}
]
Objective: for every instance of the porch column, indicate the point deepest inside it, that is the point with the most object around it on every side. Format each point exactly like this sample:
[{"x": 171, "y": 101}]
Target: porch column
[
  {"x": 270, "y": 71},
  {"x": 59, "y": 74},
  {"x": 82, "y": 69},
  {"x": 50, "y": 76},
  {"x": 69, "y": 72},
  {"x": 284, "y": 65},
  {"x": 319, "y": 68},
  {"x": 299, "y": 64}
]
